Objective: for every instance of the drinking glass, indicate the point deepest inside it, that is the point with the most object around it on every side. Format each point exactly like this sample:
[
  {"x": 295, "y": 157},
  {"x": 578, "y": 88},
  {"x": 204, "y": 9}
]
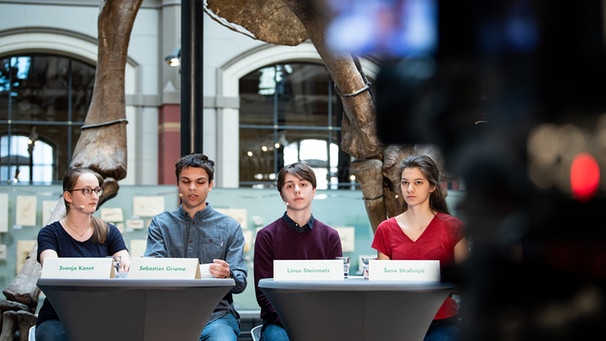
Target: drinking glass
[
  {"x": 345, "y": 266},
  {"x": 117, "y": 262},
  {"x": 365, "y": 263}
]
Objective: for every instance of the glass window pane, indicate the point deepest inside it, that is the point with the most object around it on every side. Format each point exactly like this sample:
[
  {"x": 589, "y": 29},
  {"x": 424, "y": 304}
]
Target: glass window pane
[
  {"x": 256, "y": 157},
  {"x": 14, "y": 158},
  {"x": 83, "y": 81},
  {"x": 259, "y": 108},
  {"x": 42, "y": 90},
  {"x": 8, "y": 75},
  {"x": 49, "y": 95},
  {"x": 294, "y": 94},
  {"x": 308, "y": 102},
  {"x": 43, "y": 162},
  {"x": 289, "y": 112},
  {"x": 25, "y": 155}
]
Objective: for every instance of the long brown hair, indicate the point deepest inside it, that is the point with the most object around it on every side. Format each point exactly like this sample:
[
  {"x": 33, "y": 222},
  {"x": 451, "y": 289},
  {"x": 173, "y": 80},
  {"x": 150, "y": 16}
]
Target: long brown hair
[
  {"x": 431, "y": 171},
  {"x": 100, "y": 228}
]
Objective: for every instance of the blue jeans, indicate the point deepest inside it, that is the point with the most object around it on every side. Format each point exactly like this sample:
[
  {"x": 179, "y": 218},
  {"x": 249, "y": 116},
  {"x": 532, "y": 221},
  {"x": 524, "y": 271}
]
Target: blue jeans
[
  {"x": 51, "y": 330},
  {"x": 444, "y": 330},
  {"x": 273, "y": 332},
  {"x": 226, "y": 328}
]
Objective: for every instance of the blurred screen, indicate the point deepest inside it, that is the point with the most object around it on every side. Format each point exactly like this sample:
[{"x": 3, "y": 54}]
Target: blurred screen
[{"x": 393, "y": 28}]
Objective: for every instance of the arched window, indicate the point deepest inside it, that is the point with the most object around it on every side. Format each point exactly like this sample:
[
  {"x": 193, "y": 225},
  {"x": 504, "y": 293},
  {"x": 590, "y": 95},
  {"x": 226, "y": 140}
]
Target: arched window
[
  {"x": 290, "y": 112},
  {"x": 44, "y": 98}
]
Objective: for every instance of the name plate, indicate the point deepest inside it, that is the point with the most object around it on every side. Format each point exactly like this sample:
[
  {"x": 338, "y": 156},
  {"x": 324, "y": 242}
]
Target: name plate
[
  {"x": 164, "y": 268},
  {"x": 78, "y": 267},
  {"x": 404, "y": 270},
  {"x": 308, "y": 269}
]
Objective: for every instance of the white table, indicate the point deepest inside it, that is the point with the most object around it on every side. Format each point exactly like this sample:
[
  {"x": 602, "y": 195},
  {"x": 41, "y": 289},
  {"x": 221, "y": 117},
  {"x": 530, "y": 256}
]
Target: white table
[
  {"x": 134, "y": 309},
  {"x": 355, "y": 309}
]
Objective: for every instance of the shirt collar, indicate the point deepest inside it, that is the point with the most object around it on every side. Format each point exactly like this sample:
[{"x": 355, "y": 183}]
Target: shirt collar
[{"x": 307, "y": 227}]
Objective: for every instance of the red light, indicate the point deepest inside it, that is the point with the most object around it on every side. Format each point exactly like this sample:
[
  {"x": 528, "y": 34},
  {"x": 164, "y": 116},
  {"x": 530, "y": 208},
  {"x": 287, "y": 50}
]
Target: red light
[{"x": 584, "y": 177}]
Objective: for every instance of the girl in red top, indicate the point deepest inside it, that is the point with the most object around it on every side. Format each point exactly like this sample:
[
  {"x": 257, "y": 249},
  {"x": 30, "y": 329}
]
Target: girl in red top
[{"x": 425, "y": 231}]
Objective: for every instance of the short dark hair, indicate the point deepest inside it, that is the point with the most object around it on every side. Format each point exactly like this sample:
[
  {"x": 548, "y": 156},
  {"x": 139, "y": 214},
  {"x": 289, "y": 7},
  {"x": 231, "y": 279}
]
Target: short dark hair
[
  {"x": 299, "y": 169},
  {"x": 195, "y": 160}
]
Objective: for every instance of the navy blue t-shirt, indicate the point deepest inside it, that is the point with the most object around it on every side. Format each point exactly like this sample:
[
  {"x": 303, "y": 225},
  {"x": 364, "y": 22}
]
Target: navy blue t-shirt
[{"x": 54, "y": 237}]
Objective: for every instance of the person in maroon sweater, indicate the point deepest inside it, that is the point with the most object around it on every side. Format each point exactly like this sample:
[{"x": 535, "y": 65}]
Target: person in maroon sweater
[{"x": 295, "y": 235}]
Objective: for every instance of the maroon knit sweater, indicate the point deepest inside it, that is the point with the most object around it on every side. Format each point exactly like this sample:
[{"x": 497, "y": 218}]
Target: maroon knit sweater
[{"x": 279, "y": 240}]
